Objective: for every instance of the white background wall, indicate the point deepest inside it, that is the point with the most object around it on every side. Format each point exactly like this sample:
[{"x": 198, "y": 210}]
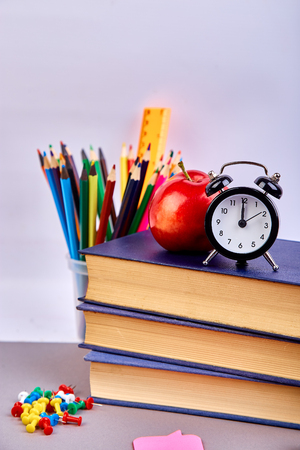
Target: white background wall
[{"x": 83, "y": 71}]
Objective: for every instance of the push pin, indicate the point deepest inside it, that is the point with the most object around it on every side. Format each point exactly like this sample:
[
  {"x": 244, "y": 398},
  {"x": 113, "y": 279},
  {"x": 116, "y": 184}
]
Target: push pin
[
  {"x": 71, "y": 419},
  {"x": 55, "y": 403},
  {"x": 32, "y": 397},
  {"x": 45, "y": 424},
  {"x": 69, "y": 398},
  {"x": 89, "y": 403},
  {"x": 44, "y": 402},
  {"x": 39, "y": 391},
  {"x": 73, "y": 407},
  {"x": 66, "y": 389},
  {"x": 22, "y": 395},
  {"x": 33, "y": 423},
  {"x": 48, "y": 394},
  {"x": 54, "y": 418},
  {"x": 17, "y": 409},
  {"x": 26, "y": 411}
]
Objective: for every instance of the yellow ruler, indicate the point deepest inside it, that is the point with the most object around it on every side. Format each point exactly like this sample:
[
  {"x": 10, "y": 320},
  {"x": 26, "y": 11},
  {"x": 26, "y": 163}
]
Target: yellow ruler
[{"x": 154, "y": 131}]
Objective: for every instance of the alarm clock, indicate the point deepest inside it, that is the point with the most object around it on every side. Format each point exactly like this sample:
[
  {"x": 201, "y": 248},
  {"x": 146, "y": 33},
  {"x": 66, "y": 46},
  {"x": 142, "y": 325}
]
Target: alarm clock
[{"x": 242, "y": 223}]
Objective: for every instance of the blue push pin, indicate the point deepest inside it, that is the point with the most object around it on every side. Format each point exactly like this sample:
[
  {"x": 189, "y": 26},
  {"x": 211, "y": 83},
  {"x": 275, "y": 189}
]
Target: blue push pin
[
  {"x": 64, "y": 406},
  {"x": 33, "y": 396},
  {"x": 54, "y": 419}
]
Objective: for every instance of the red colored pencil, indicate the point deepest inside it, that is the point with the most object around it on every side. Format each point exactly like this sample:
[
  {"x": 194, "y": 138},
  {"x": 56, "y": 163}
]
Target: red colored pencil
[
  {"x": 131, "y": 158},
  {"x": 106, "y": 206}
]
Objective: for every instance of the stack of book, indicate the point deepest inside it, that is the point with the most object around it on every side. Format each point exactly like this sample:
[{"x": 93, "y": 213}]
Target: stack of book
[{"x": 168, "y": 333}]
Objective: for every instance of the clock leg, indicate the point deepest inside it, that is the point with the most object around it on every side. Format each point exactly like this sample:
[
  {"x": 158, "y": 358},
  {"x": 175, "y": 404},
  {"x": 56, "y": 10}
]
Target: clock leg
[
  {"x": 212, "y": 254},
  {"x": 271, "y": 261}
]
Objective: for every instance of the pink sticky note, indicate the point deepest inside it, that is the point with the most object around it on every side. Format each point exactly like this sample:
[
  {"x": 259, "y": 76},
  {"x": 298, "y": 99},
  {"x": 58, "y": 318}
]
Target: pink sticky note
[{"x": 174, "y": 441}]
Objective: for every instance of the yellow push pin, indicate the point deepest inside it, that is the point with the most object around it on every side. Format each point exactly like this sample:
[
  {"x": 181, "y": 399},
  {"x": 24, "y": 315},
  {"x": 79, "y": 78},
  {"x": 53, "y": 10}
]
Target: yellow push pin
[
  {"x": 44, "y": 402},
  {"x": 55, "y": 402},
  {"x": 32, "y": 425},
  {"x": 26, "y": 408}
]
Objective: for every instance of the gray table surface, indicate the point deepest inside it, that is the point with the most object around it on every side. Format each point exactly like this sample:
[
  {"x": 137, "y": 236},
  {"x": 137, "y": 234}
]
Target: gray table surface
[{"x": 25, "y": 366}]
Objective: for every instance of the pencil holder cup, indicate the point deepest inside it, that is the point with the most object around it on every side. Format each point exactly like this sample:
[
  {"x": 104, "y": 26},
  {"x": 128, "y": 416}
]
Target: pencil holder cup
[{"x": 80, "y": 281}]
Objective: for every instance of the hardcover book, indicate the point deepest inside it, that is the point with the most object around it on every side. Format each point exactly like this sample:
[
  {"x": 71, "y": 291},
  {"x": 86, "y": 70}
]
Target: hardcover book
[
  {"x": 125, "y": 381},
  {"x": 192, "y": 344},
  {"x": 135, "y": 272}
]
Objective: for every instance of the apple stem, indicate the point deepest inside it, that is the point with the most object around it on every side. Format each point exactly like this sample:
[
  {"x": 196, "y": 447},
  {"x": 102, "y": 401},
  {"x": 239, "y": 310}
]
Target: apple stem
[{"x": 181, "y": 165}]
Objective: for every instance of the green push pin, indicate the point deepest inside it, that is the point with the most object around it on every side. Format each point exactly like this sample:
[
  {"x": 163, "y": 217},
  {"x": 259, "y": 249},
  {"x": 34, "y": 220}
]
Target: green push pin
[
  {"x": 48, "y": 394},
  {"x": 73, "y": 407},
  {"x": 38, "y": 390}
]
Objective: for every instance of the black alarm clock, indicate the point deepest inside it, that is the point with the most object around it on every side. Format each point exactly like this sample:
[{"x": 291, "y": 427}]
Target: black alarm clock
[{"x": 242, "y": 223}]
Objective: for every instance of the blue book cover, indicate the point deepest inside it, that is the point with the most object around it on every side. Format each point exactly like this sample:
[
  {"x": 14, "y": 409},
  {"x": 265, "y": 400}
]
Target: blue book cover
[
  {"x": 140, "y": 383},
  {"x": 267, "y": 358}
]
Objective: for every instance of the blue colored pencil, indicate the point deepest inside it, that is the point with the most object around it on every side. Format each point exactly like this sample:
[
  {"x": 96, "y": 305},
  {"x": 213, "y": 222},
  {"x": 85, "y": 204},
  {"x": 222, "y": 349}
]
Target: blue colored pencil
[
  {"x": 55, "y": 195},
  {"x": 70, "y": 214}
]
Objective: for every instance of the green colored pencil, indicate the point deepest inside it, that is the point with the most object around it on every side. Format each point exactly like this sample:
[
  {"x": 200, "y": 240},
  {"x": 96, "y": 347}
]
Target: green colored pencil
[
  {"x": 101, "y": 184},
  {"x": 139, "y": 213},
  {"x": 84, "y": 211},
  {"x": 85, "y": 161}
]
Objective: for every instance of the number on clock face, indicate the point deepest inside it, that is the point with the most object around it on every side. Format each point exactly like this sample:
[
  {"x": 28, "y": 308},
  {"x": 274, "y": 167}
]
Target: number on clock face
[{"x": 241, "y": 223}]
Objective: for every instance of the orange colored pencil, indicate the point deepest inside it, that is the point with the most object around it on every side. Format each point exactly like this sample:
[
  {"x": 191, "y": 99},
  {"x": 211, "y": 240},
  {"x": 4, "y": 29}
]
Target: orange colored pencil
[{"x": 106, "y": 206}]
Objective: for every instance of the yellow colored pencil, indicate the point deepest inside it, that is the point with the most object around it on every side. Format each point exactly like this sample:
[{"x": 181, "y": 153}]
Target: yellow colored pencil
[
  {"x": 124, "y": 169},
  {"x": 93, "y": 191}
]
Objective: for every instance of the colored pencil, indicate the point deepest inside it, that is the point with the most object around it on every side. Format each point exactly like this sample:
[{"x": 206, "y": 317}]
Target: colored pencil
[
  {"x": 160, "y": 180},
  {"x": 54, "y": 153},
  {"x": 131, "y": 158},
  {"x": 136, "y": 197},
  {"x": 132, "y": 169},
  {"x": 175, "y": 171},
  {"x": 103, "y": 164},
  {"x": 73, "y": 165},
  {"x": 105, "y": 175},
  {"x": 126, "y": 202},
  {"x": 144, "y": 204},
  {"x": 59, "y": 208},
  {"x": 175, "y": 161},
  {"x": 100, "y": 181},
  {"x": 41, "y": 158},
  {"x": 144, "y": 167},
  {"x": 69, "y": 210},
  {"x": 93, "y": 193},
  {"x": 106, "y": 207},
  {"x": 85, "y": 161},
  {"x": 84, "y": 211},
  {"x": 124, "y": 169},
  {"x": 75, "y": 191},
  {"x": 56, "y": 175}
]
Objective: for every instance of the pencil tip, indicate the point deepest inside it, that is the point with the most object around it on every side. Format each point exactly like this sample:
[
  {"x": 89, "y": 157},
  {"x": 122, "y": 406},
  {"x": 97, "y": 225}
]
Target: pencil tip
[{"x": 148, "y": 148}]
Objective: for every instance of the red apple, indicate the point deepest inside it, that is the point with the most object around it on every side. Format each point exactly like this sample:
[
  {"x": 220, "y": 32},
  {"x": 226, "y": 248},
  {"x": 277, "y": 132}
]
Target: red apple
[{"x": 177, "y": 212}]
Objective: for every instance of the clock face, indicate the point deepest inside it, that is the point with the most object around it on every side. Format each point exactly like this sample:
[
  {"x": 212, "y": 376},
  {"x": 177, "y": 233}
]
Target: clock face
[{"x": 241, "y": 223}]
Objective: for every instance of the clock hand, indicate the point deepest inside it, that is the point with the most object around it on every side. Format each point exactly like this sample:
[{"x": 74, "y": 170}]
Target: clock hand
[
  {"x": 242, "y": 222},
  {"x": 243, "y": 211},
  {"x": 254, "y": 216}
]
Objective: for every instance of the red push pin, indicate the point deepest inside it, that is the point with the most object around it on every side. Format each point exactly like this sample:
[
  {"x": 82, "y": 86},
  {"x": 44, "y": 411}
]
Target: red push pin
[
  {"x": 17, "y": 409},
  {"x": 45, "y": 424},
  {"x": 66, "y": 389},
  {"x": 71, "y": 419},
  {"x": 89, "y": 403}
]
